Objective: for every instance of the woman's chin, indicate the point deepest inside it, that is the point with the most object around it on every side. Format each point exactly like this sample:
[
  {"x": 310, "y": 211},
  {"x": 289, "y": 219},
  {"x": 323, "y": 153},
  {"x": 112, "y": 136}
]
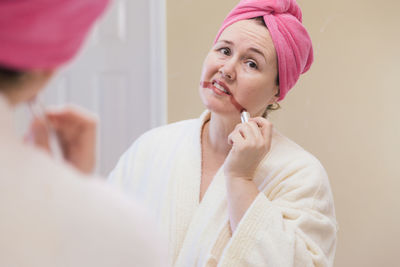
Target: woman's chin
[
  {"x": 223, "y": 110},
  {"x": 218, "y": 105}
]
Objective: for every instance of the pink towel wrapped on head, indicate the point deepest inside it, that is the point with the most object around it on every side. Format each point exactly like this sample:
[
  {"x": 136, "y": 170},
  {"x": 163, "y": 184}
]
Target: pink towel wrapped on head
[
  {"x": 44, "y": 34},
  {"x": 291, "y": 40}
]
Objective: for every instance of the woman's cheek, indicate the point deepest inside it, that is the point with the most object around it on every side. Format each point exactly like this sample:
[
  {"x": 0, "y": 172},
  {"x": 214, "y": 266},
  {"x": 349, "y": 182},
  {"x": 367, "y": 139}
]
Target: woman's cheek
[
  {"x": 209, "y": 66},
  {"x": 251, "y": 99}
]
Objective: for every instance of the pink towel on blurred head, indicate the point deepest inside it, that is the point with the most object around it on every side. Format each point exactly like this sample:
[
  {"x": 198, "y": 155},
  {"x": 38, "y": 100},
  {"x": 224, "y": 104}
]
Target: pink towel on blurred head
[
  {"x": 44, "y": 34},
  {"x": 291, "y": 40}
]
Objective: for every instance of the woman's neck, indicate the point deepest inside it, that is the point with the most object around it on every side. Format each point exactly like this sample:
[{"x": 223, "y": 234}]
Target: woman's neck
[{"x": 216, "y": 132}]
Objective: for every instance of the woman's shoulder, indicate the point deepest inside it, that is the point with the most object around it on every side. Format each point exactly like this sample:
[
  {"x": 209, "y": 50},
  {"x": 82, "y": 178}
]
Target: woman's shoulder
[
  {"x": 182, "y": 125},
  {"x": 286, "y": 152},
  {"x": 291, "y": 166},
  {"x": 186, "y": 127},
  {"x": 297, "y": 175},
  {"x": 166, "y": 137},
  {"x": 170, "y": 131}
]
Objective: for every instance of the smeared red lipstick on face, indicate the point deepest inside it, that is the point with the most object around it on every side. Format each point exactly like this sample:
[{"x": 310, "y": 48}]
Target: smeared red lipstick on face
[
  {"x": 205, "y": 84},
  {"x": 233, "y": 100},
  {"x": 237, "y": 105}
]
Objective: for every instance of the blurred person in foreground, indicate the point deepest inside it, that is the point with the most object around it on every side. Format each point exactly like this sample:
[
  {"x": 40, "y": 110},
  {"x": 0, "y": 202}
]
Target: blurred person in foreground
[{"x": 53, "y": 212}]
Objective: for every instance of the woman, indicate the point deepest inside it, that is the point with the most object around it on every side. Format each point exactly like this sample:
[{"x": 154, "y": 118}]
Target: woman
[
  {"x": 230, "y": 193},
  {"x": 51, "y": 213}
]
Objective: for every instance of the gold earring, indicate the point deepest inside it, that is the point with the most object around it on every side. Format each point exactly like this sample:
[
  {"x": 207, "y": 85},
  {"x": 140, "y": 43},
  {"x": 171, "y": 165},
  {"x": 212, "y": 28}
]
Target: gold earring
[{"x": 274, "y": 106}]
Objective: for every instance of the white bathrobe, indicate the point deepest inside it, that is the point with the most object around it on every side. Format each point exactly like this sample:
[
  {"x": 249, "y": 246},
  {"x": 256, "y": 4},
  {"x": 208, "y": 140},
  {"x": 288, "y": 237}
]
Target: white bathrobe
[
  {"x": 290, "y": 223},
  {"x": 51, "y": 216}
]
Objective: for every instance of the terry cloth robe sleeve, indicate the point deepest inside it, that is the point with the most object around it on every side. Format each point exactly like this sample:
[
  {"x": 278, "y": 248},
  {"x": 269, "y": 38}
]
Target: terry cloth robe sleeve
[
  {"x": 119, "y": 175},
  {"x": 291, "y": 222},
  {"x": 162, "y": 170},
  {"x": 147, "y": 166}
]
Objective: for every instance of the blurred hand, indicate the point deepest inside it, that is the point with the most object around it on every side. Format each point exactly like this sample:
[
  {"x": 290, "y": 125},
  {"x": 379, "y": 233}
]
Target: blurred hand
[
  {"x": 75, "y": 129},
  {"x": 250, "y": 142}
]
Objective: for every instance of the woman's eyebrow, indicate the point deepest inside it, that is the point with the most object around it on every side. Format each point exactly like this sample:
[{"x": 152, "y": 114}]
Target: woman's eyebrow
[
  {"x": 226, "y": 41},
  {"x": 255, "y": 50}
]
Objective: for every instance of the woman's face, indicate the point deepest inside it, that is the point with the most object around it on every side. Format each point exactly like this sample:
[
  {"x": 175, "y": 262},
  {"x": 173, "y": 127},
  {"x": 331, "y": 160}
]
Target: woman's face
[{"x": 243, "y": 63}]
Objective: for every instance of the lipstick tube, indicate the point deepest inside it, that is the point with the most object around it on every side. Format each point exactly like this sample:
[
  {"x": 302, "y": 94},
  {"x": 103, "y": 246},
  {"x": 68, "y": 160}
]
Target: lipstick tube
[
  {"x": 37, "y": 111},
  {"x": 244, "y": 116}
]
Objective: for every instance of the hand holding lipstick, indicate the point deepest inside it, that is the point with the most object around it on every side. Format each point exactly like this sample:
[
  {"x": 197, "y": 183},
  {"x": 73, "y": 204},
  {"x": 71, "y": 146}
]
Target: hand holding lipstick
[
  {"x": 250, "y": 142},
  {"x": 76, "y": 131}
]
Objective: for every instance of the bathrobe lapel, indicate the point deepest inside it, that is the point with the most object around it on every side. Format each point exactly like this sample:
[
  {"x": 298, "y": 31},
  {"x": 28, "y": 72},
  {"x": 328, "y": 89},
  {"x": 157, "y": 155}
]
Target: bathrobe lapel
[
  {"x": 209, "y": 221},
  {"x": 202, "y": 229},
  {"x": 185, "y": 189},
  {"x": 210, "y": 218}
]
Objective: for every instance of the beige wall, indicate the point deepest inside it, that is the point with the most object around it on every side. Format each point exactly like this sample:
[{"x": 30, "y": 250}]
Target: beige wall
[{"x": 343, "y": 111}]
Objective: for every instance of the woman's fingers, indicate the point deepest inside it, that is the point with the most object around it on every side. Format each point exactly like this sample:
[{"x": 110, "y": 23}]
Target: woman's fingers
[
  {"x": 73, "y": 123},
  {"x": 76, "y": 129},
  {"x": 73, "y": 116},
  {"x": 265, "y": 126},
  {"x": 254, "y": 131},
  {"x": 235, "y": 137},
  {"x": 72, "y": 112},
  {"x": 247, "y": 131},
  {"x": 38, "y": 135},
  {"x": 250, "y": 143}
]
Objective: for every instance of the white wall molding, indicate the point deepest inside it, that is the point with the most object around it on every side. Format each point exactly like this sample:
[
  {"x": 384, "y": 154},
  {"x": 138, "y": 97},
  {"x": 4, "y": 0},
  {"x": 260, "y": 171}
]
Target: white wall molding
[{"x": 158, "y": 80}]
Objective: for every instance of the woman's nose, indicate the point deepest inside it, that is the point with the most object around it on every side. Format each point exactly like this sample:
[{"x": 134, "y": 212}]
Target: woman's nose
[{"x": 227, "y": 70}]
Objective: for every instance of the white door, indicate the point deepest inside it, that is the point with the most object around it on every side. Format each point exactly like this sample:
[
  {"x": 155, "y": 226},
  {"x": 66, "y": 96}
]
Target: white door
[{"x": 120, "y": 75}]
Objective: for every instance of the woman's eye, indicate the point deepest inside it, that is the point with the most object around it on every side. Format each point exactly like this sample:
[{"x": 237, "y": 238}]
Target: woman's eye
[
  {"x": 252, "y": 64},
  {"x": 225, "y": 51}
]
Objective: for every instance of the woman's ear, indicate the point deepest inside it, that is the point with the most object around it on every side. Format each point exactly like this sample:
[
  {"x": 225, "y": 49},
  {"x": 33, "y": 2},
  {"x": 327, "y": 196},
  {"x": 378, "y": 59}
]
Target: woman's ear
[
  {"x": 277, "y": 91},
  {"x": 276, "y": 95}
]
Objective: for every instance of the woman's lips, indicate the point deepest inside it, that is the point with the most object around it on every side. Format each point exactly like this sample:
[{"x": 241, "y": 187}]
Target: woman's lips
[
  {"x": 217, "y": 87},
  {"x": 221, "y": 86},
  {"x": 218, "y": 91}
]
